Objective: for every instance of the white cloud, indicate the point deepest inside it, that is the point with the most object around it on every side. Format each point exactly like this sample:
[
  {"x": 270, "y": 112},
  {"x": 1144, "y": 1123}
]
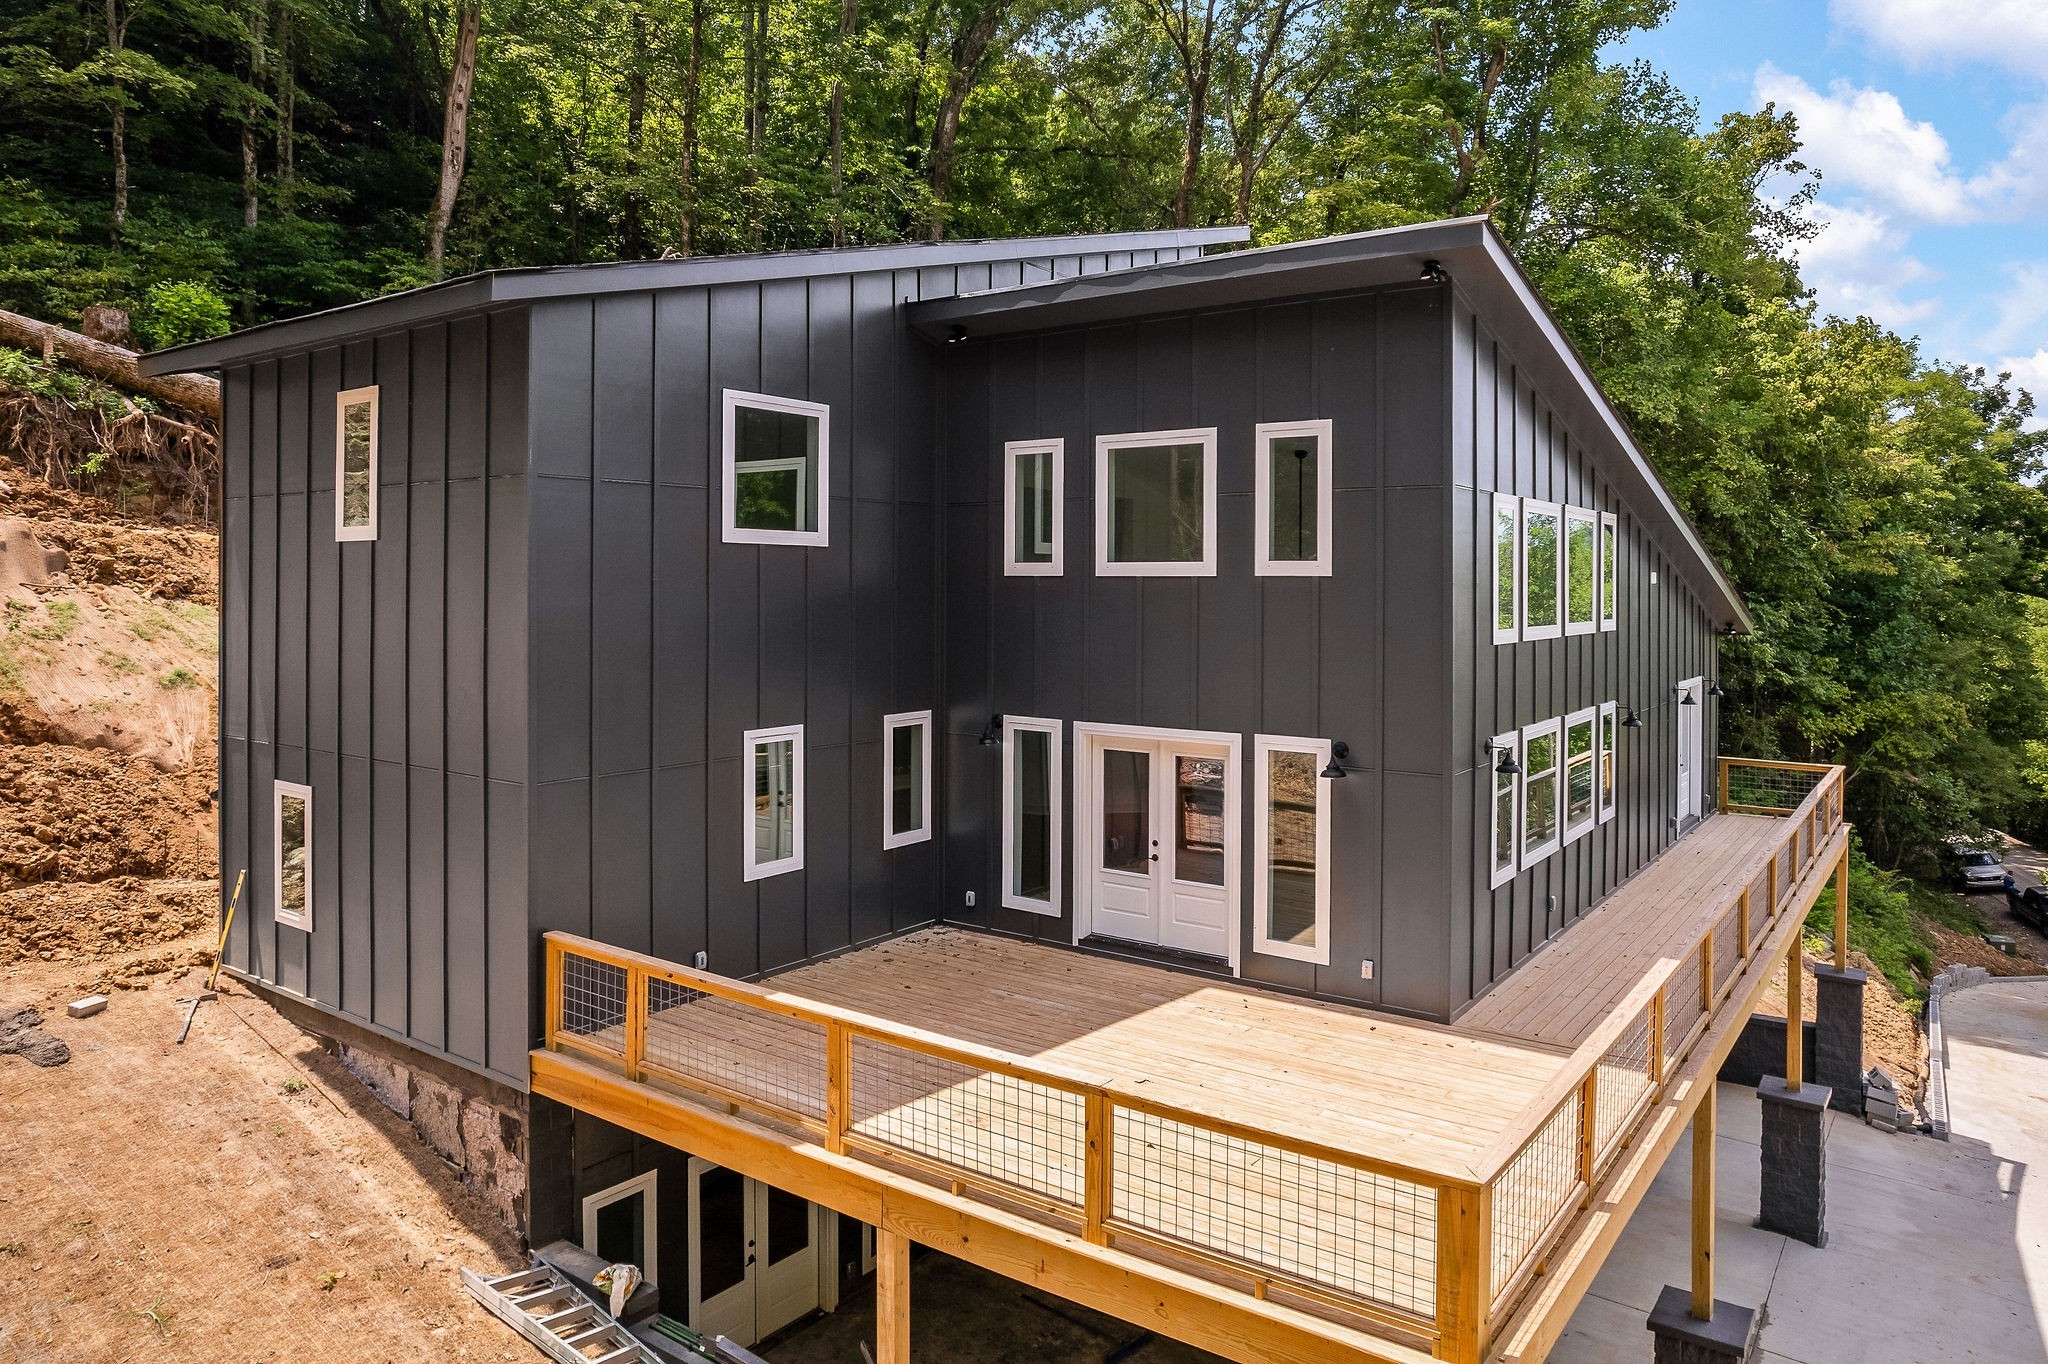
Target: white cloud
[
  {"x": 2030, "y": 372},
  {"x": 1862, "y": 139},
  {"x": 2008, "y": 33},
  {"x": 2022, "y": 308},
  {"x": 1858, "y": 266}
]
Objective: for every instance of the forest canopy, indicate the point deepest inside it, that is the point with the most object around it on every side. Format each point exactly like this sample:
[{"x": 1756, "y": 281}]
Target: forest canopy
[{"x": 204, "y": 163}]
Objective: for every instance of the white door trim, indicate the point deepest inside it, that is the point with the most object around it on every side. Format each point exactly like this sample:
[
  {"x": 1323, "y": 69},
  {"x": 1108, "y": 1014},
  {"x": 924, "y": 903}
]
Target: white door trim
[
  {"x": 1087, "y": 738},
  {"x": 1692, "y": 734},
  {"x": 649, "y": 1224}
]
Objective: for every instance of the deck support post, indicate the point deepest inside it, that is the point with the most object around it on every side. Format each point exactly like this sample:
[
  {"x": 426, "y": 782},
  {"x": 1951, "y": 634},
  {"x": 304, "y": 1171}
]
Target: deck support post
[
  {"x": 892, "y": 1297},
  {"x": 1795, "y": 1017},
  {"x": 1696, "y": 1327},
  {"x": 1842, "y": 912},
  {"x": 1703, "y": 1204}
]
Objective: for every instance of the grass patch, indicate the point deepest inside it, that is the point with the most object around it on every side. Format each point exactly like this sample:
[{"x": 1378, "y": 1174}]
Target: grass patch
[
  {"x": 120, "y": 665},
  {"x": 293, "y": 1086},
  {"x": 178, "y": 678},
  {"x": 63, "y": 620}
]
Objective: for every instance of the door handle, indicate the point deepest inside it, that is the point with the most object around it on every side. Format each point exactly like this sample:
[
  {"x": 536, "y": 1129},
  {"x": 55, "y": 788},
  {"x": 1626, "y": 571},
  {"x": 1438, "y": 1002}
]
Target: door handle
[{"x": 1155, "y": 857}]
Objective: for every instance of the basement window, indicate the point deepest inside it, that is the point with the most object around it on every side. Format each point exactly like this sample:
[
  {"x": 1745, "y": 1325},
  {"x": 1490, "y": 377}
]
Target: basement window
[
  {"x": 292, "y": 837},
  {"x": 1542, "y": 558},
  {"x": 619, "y": 1222},
  {"x": 774, "y": 801},
  {"x": 1610, "y": 552},
  {"x": 1155, "y": 504},
  {"x": 1031, "y": 815},
  {"x": 1034, "y": 516},
  {"x": 1582, "y": 569},
  {"x": 1540, "y": 826},
  {"x": 907, "y": 778},
  {"x": 1507, "y": 549},
  {"x": 1293, "y": 499},
  {"x": 1291, "y": 885},
  {"x": 355, "y": 464},
  {"x": 1606, "y": 781},
  {"x": 777, "y": 470},
  {"x": 1506, "y": 794},
  {"x": 1581, "y": 773}
]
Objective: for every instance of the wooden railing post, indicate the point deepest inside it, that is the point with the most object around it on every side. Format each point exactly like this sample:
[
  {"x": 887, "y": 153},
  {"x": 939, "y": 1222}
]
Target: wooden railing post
[
  {"x": 1464, "y": 1270},
  {"x": 1723, "y": 803},
  {"x": 838, "y": 1085},
  {"x": 551, "y": 1015},
  {"x": 1742, "y": 921},
  {"x": 635, "y": 1050},
  {"x": 1589, "y": 1113},
  {"x": 1842, "y": 912},
  {"x": 1771, "y": 888},
  {"x": 1099, "y": 1180},
  {"x": 1707, "y": 973},
  {"x": 1657, "y": 1037}
]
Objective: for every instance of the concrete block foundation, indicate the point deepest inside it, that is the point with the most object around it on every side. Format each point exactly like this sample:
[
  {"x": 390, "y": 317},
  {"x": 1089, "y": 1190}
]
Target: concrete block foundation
[
  {"x": 1729, "y": 1338},
  {"x": 1794, "y": 1186}
]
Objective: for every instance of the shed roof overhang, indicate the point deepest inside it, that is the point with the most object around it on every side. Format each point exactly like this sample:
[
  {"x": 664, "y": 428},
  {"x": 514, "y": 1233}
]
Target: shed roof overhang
[
  {"x": 506, "y": 288},
  {"x": 1480, "y": 267}
]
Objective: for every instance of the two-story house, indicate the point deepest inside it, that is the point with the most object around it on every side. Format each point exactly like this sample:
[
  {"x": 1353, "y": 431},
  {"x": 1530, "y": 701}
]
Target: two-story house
[{"x": 1183, "y": 777}]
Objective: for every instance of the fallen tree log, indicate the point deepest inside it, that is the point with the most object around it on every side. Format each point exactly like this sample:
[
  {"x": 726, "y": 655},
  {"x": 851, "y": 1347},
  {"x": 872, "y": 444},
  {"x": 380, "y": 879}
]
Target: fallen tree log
[{"x": 115, "y": 364}]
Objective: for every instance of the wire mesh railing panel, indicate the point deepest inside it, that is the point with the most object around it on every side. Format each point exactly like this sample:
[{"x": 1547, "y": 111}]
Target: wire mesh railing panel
[
  {"x": 1623, "y": 1083},
  {"x": 980, "y": 1124},
  {"x": 594, "y": 1001},
  {"x": 1345, "y": 1230},
  {"x": 751, "y": 1055},
  {"x": 1769, "y": 788},
  {"x": 1759, "y": 907},
  {"x": 1727, "y": 946},
  {"x": 1683, "y": 1006},
  {"x": 1533, "y": 1189}
]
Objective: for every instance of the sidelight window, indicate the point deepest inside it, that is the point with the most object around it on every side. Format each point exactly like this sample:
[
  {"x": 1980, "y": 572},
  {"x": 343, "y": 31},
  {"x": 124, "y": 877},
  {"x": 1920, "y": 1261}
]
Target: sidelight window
[
  {"x": 1291, "y": 886},
  {"x": 355, "y": 464},
  {"x": 1031, "y": 814},
  {"x": 774, "y": 815},
  {"x": 1155, "y": 504},
  {"x": 1293, "y": 498},
  {"x": 907, "y": 778},
  {"x": 1034, "y": 515},
  {"x": 777, "y": 470},
  {"x": 292, "y": 837}
]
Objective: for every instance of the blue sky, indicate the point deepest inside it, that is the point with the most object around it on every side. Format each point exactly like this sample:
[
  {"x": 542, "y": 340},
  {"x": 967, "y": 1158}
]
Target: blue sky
[{"x": 1928, "y": 120}]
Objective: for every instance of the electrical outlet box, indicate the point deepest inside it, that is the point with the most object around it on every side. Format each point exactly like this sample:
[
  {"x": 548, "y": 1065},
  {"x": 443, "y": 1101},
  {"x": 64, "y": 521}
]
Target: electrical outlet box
[
  {"x": 1653, "y": 577},
  {"x": 970, "y": 899},
  {"x": 1365, "y": 969},
  {"x": 702, "y": 960}
]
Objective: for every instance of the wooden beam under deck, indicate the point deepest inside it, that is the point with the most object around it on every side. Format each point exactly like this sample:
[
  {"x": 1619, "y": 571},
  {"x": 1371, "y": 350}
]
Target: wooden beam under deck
[{"x": 1212, "y": 1316}]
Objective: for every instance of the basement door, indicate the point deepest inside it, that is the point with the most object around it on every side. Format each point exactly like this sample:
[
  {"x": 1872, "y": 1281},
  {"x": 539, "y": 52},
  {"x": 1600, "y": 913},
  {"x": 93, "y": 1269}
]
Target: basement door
[
  {"x": 1159, "y": 835},
  {"x": 754, "y": 1261}
]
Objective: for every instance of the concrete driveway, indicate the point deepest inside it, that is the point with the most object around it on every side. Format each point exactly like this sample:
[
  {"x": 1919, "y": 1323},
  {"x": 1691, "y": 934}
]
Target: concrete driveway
[{"x": 1937, "y": 1251}]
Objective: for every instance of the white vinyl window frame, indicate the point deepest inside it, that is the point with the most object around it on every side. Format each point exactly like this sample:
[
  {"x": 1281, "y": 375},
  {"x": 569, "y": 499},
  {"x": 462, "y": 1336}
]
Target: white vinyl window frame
[
  {"x": 1205, "y": 567},
  {"x": 1528, "y": 854},
  {"x": 1590, "y": 718},
  {"x": 909, "y": 719},
  {"x": 1055, "y": 451},
  {"x": 1609, "y": 588},
  {"x": 1263, "y": 941},
  {"x": 1510, "y": 786},
  {"x": 751, "y": 744},
  {"x": 1580, "y": 516},
  {"x": 343, "y": 401},
  {"x": 1606, "y": 780},
  {"x": 302, "y": 920},
  {"x": 1506, "y": 506},
  {"x": 1524, "y": 578},
  {"x": 1013, "y": 725},
  {"x": 647, "y": 1185},
  {"x": 1263, "y": 436},
  {"x": 734, "y": 533}
]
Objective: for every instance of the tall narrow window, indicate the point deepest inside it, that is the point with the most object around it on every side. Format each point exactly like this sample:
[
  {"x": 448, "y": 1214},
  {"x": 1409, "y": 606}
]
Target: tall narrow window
[
  {"x": 1540, "y": 829},
  {"x": 1581, "y": 772},
  {"x": 907, "y": 774},
  {"x": 774, "y": 815},
  {"x": 355, "y": 464},
  {"x": 1610, "y": 563},
  {"x": 1507, "y": 611},
  {"x": 1034, "y": 514},
  {"x": 1581, "y": 569},
  {"x": 1506, "y": 790},
  {"x": 777, "y": 470},
  {"x": 1291, "y": 890},
  {"x": 1607, "y": 777},
  {"x": 1542, "y": 558},
  {"x": 1031, "y": 815},
  {"x": 1155, "y": 504},
  {"x": 1292, "y": 498},
  {"x": 292, "y": 837},
  {"x": 618, "y": 1224}
]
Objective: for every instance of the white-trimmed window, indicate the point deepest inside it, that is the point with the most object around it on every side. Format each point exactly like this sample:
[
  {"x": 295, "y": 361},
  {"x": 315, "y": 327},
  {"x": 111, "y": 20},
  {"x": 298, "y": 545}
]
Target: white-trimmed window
[
  {"x": 1610, "y": 565},
  {"x": 1542, "y": 570},
  {"x": 774, "y": 817},
  {"x": 1606, "y": 776},
  {"x": 1291, "y": 887},
  {"x": 355, "y": 464},
  {"x": 1581, "y": 771},
  {"x": 906, "y": 778},
  {"x": 1031, "y": 814},
  {"x": 1155, "y": 504},
  {"x": 1507, "y": 568},
  {"x": 1581, "y": 570},
  {"x": 1541, "y": 818},
  {"x": 1507, "y": 804},
  {"x": 292, "y": 838},
  {"x": 1292, "y": 499},
  {"x": 778, "y": 468},
  {"x": 619, "y": 1225},
  {"x": 1034, "y": 507}
]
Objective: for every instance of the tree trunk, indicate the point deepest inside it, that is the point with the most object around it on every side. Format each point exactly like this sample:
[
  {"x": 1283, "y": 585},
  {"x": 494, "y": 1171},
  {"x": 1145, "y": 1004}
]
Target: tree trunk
[
  {"x": 287, "y": 98},
  {"x": 251, "y": 205},
  {"x": 115, "y": 364},
  {"x": 454, "y": 130},
  {"x": 631, "y": 244},
  {"x": 117, "y": 41},
  {"x": 757, "y": 112},
  {"x": 687, "y": 172},
  {"x": 968, "y": 51},
  {"x": 1191, "y": 154},
  {"x": 849, "y": 13}
]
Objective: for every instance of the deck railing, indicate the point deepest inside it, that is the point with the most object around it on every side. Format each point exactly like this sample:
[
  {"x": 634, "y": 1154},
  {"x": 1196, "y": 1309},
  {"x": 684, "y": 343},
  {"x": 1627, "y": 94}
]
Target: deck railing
[
  {"x": 1438, "y": 1255},
  {"x": 1572, "y": 1135}
]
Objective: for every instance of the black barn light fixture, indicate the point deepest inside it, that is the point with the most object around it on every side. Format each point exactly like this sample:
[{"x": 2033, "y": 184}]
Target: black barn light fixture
[
  {"x": 1714, "y": 690},
  {"x": 1334, "y": 769},
  {"x": 1507, "y": 766},
  {"x": 992, "y": 733},
  {"x": 1631, "y": 720}
]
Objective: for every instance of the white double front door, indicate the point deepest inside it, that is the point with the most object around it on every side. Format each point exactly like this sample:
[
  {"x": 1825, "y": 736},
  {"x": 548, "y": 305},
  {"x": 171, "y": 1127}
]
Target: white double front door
[
  {"x": 754, "y": 1255},
  {"x": 1158, "y": 840}
]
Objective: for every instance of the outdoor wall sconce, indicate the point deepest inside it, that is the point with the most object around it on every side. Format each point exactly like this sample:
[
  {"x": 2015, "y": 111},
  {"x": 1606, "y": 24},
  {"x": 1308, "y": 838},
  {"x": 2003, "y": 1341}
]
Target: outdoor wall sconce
[
  {"x": 1631, "y": 720},
  {"x": 1334, "y": 769},
  {"x": 1688, "y": 699},
  {"x": 1507, "y": 766},
  {"x": 1715, "y": 691},
  {"x": 1434, "y": 272},
  {"x": 992, "y": 733}
]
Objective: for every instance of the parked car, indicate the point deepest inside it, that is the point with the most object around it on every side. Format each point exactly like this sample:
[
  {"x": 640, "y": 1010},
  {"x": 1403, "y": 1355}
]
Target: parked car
[
  {"x": 1976, "y": 869},
  {"x": 2029, "y": 904}
]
